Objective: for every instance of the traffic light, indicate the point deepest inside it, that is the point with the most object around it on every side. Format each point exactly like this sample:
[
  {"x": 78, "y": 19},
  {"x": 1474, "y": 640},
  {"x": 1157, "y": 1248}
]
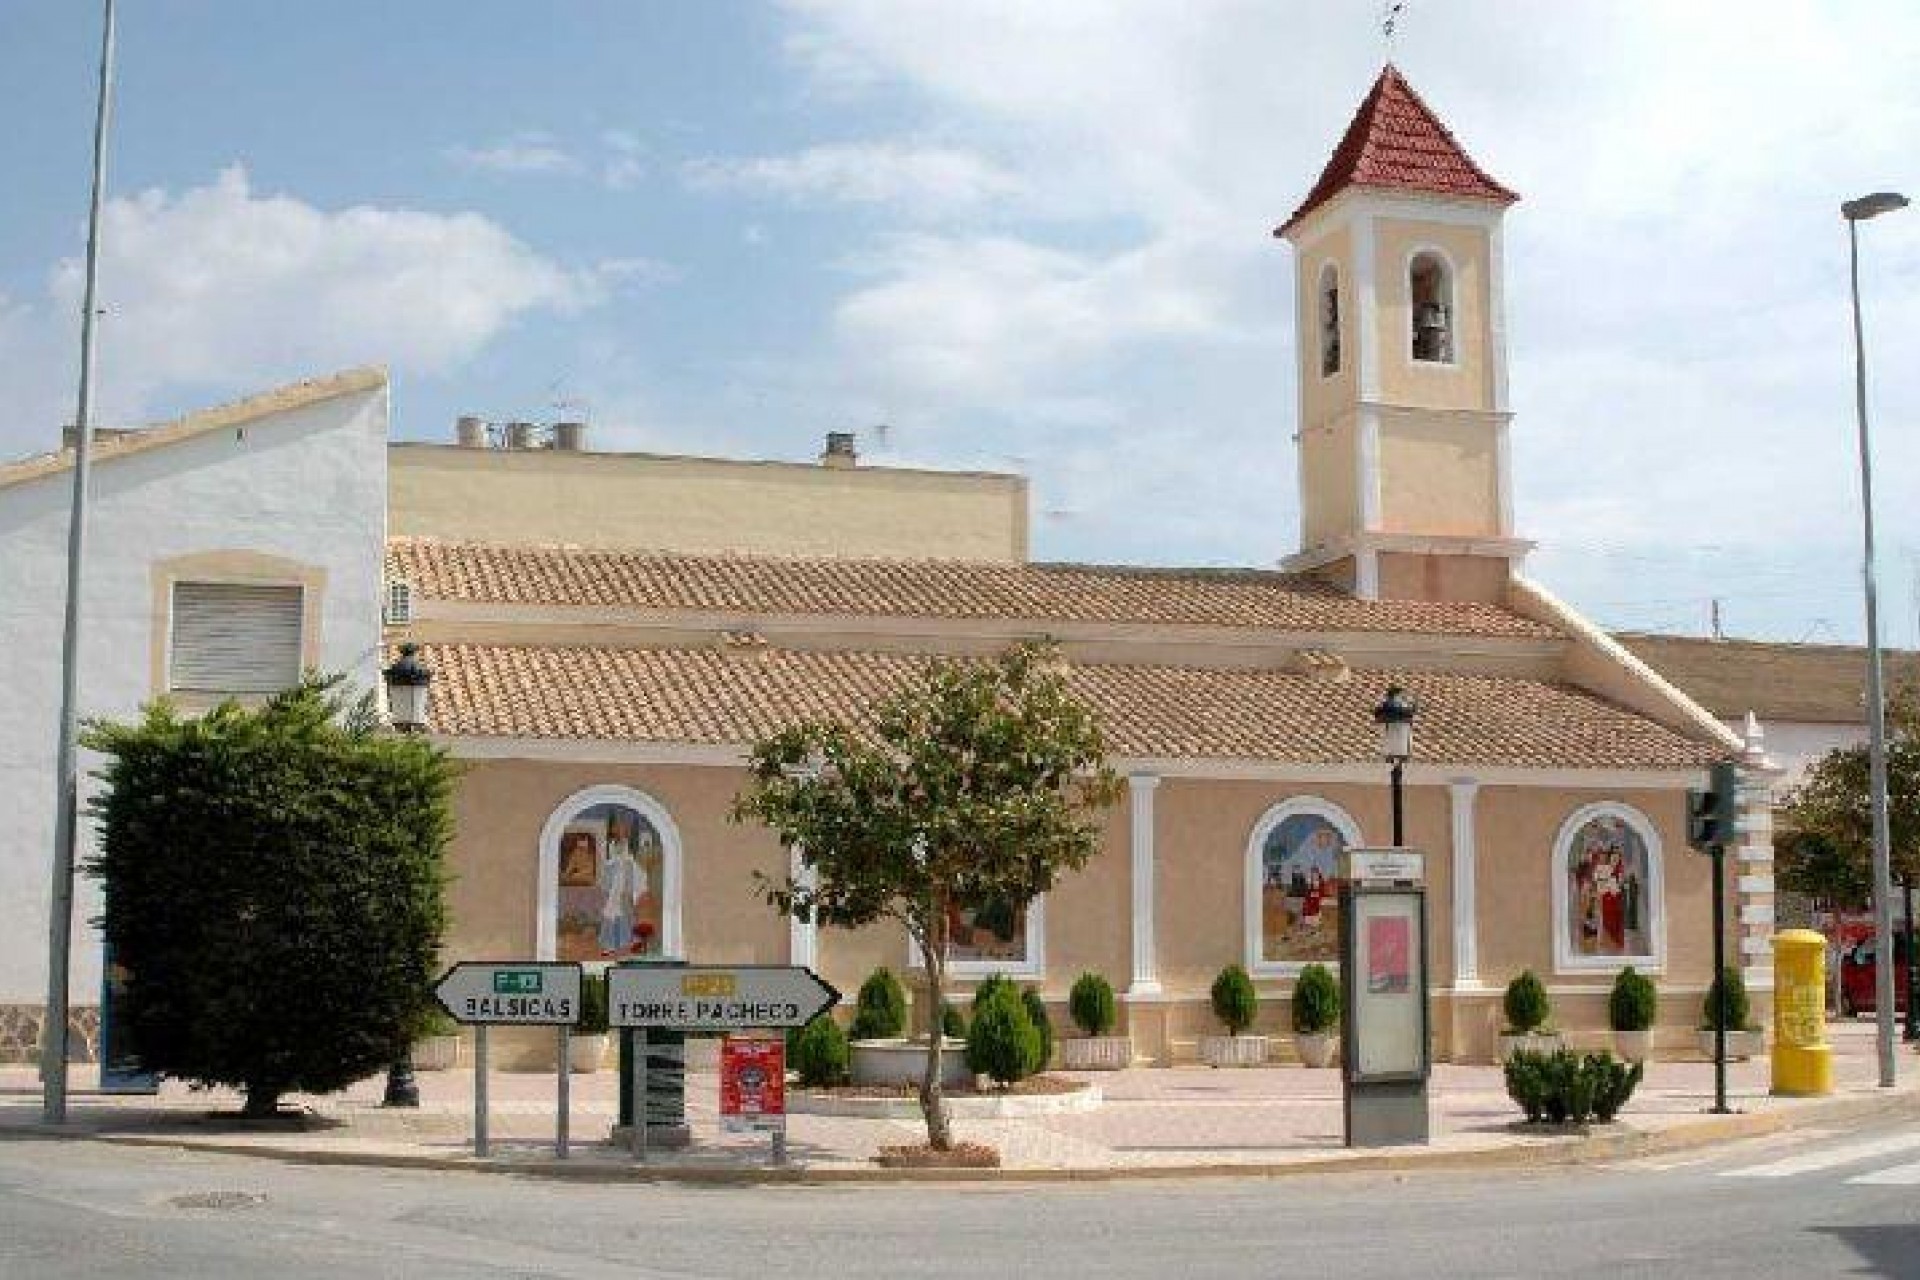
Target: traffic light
[{"x": 1710, "y": 813}]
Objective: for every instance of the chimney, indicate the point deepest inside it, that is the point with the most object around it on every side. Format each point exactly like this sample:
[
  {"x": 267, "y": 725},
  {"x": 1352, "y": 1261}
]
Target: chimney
[
  {"x": 470, "y": 432},
  {"x": 571, "y": 436},
  {"x": 519, "y": 435},
  {"x": 839, "y": 451}
]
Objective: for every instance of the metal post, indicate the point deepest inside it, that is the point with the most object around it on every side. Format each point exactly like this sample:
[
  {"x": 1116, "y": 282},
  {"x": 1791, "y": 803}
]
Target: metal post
[
  {"x": 66, "y": 815},
  {"x": 1876, "y": 700},
  {"x": 1719, "y": 986},
  {"x": 639, "y": 1131},
  {"x": 480, "y": 1089},
  {"x": 563, "y": 1104},
  {"x": 1399, "y": 809}
]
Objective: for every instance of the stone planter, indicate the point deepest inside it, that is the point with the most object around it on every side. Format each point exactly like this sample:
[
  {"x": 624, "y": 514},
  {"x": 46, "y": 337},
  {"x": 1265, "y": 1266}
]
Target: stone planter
[
  {"x": 436, "y": 1053},
  {"x": 1633, "y": 1046},
  {"x": 1532, "y": 1042},
  {"x": 1096, "y": 1053},
  {"x": 1233, "y": 1051},
  {"x": 586, "y": 1053},
  {"x": 1316, "y": 1049},
  {"x": 905, "y": 1061},
  {"x": 1741, "y": 1045}
]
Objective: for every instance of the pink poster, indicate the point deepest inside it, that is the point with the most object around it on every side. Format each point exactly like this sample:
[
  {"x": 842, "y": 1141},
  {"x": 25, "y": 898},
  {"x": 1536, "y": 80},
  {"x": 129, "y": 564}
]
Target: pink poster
[{"x": 1389, "y": 954}]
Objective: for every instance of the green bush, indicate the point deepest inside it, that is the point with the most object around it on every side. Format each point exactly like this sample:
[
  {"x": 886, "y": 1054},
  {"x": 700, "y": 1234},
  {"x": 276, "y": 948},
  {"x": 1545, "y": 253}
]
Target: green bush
[
  {"x": 1565, "y": 1087},
  {"x": 1633, "y": 1003},
  {"x": 593, "y": 1005},
  {"x": 274, "y": 884},
  {"x": 1091, "y": 1004},
  {"x": 1735, "y": 988},
  {"x": 880, "y": 1010},
  {"x": 1042, "y": 1025},
  {"x": 953, "y": 1023},
  {"x": 1316, "y": 1001},
  {"x": 437, "y": 1022},
  {"x": 1235, "y": 1002},
  {"x": 990, "y": 987},
  {"x": 1526, "y": 1004},
  {"x": 820, "y": 1053},
  {"x": 1002, "y": 1042}
]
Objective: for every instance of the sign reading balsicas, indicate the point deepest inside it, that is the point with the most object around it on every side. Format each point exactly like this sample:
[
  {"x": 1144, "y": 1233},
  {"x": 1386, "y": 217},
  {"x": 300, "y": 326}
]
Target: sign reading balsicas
[
  {"x": 511, "y": 993},
  {"x": 717, "y": 998}
]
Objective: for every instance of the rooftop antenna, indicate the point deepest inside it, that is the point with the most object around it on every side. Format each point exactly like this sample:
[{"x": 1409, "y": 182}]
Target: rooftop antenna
[{"x": 1390, "y": 14}]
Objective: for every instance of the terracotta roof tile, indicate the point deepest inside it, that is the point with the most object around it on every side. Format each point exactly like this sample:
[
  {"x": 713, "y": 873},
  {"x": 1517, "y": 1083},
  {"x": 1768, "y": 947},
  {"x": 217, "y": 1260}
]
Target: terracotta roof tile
[
  {"x": 705, "y": 697},
  {"x": 744, "y": 584},
  {"x": 1396, "y": 142},
  {"x": 1811, "y": 683}
]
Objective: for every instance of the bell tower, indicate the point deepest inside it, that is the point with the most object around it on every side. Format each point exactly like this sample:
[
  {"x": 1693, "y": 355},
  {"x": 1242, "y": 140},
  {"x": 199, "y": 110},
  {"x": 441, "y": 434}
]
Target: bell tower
[{"x": 1405, "y": 487}]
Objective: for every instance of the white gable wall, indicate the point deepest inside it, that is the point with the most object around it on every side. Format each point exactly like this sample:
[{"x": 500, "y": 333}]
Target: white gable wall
[{"x": 305, "y": 485}]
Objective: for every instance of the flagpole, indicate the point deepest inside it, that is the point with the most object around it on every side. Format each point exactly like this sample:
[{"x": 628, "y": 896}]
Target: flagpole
[{"x": 53, "y": 1036}]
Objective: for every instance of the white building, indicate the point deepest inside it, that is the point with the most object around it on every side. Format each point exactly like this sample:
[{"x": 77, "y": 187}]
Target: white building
[{"x": 227, "y": 551}]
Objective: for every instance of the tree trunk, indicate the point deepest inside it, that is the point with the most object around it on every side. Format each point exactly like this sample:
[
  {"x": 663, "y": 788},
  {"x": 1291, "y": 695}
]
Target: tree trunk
[
  {"x": 263, "y": 1100},
  {"x": 932, "y": 1105}
]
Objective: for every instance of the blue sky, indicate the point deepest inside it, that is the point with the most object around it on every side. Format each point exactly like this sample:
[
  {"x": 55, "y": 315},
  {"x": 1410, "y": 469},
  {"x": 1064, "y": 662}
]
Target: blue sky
[{"x": 1021, "y": 236}]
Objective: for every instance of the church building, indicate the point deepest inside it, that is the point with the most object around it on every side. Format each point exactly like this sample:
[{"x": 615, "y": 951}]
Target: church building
[{"x": 602, "y": 674}]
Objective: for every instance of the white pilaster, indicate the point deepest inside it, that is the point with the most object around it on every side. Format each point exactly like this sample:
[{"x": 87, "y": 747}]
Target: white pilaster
[
  {"x": 1146, "y": 969},
  {"x": 803, "y": 936},
  {"x": 1466, "y": 933},
  {"x": 1366, "y": 309}
]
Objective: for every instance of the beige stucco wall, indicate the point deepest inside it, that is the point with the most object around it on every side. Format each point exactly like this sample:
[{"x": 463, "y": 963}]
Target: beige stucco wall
[
  {"x": 702, "y": 504},
  {"x": 1329, "y": 474},
  {"x": 1468, "y": 382},
  {"x": 1202, "y": 829},
  {"x": 1324, "y": 397},
  {"x": 1405, "y": 576},
  {"x": 1439, "y": 474}
]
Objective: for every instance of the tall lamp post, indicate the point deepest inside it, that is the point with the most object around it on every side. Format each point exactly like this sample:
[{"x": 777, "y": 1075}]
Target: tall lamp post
[
  {"x": 1855, "y": 212},
  {"x": 1394, "y": 715},
  {"x": 408, "y": 682}
]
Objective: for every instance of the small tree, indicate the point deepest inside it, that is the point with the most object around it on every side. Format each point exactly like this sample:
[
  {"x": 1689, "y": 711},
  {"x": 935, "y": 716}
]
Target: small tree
[
  {"x": 1316, "y": 1001},
  {"x": 1042, "y": 1027},
  {"x": 1091, "y": 1004},
  {"x": 1526, "y": 1004},
  {"x": 1633, "y": 1003},
  {"x": 880, "y": 1010},
  {"x": 981, "y": 782},
  {"x": 274, "y": 886},
  {"x": 820, "y": 1053},
  {"x": 953, "y": 1023},
  {"x": 1002, "y": 1042},
  {"x": 1823, "y": 838},
  {"x": 593, "y": 1004},
  {"x": 1235, "y": 1002}
]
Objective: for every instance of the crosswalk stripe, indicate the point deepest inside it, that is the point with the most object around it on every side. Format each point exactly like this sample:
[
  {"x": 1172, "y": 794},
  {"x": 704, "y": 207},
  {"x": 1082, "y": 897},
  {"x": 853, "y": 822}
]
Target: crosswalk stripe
[
  {"x": 1900, "y": 1175},
  {"x": 1830, "y": 1158}
]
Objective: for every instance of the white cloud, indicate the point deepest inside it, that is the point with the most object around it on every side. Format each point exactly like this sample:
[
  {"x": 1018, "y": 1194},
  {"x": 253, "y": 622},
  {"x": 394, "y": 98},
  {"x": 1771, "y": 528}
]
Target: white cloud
[
  {"x": 523, "y": 153},
  {"x": 913, "y": 176},
  {"x": 219, "y": 287}
]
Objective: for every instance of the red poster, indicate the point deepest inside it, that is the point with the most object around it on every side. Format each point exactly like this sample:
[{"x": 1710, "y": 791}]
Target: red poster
[
  {"x": 1389, "y": 954},
  {"x": 753, "y": 1083}
]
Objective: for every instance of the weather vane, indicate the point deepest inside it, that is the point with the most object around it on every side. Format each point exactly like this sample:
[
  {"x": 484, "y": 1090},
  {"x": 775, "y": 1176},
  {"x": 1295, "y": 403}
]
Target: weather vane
[{"x": 1389, "y": 23}]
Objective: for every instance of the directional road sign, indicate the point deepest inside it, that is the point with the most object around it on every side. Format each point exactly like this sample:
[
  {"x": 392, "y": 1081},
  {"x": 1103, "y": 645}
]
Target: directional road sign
[
  {"x": 716, "y": 998},
  {"x": 523, "y": 993}
]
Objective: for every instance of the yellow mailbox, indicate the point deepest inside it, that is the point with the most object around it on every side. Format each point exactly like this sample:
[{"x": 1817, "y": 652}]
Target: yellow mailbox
[{"x": 1802, "y": 1058}]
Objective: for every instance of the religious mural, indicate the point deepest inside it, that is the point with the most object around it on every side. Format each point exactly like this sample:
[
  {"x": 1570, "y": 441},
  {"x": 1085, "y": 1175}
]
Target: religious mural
[
  {"x": 1299, "y": 890},
  {"x": 1607, "y": 890},
  {"x": 609, "y": 881},
  {"x": 996, "y": 931}
]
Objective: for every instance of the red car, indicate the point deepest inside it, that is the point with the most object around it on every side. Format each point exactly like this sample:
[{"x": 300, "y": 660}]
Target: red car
[{"x": 1857, "y": 976}]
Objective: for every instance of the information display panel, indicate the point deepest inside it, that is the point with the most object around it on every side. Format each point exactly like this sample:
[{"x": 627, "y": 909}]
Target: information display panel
[{"x": 1386, "y": 981}]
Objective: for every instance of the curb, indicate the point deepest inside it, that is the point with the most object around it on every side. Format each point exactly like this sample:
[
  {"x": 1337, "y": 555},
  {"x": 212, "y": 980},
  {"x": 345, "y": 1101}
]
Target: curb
[{"x": 1545, "y": 1153}]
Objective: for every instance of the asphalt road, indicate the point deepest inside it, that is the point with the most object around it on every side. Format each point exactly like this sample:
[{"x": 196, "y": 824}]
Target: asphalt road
[{"x": 1806, "y": 1205}]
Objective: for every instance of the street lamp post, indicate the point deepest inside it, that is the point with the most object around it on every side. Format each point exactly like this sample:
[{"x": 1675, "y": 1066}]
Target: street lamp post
[
  {"x": 1395, "y": 715},
  {"x": 408, "y": 682},
  {"x": 1855, "y": 212}
]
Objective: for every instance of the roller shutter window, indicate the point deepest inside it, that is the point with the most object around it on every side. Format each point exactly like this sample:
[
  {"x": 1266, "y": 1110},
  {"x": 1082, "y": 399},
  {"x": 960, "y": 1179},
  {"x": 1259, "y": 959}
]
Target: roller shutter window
[{"x": 234, "y": 638}]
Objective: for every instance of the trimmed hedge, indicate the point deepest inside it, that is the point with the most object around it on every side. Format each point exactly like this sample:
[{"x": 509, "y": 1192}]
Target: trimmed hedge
[
  {"x": 1091, "y": 1004},
  {"x": 1316, "y": 1001},
  {"x": 820, "y": 1053},
  {"x": 880, "y": 1010},
  {"x": 1735, "y": 988},
  {"x": 1565, "y": 1087},
  {"x": 1633, "y": 1003},
  {"x": 1002, "y": 1042},
  {"x": 1235, "y": 1002},
  {"x": 1042, "y": 1024},
  {"x": 1526, "y": 1004}
]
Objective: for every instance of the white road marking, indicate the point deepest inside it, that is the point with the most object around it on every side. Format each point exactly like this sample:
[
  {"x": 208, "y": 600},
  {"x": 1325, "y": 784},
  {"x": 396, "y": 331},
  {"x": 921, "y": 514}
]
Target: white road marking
[
  {"x": 1830, "y": 1158},
  {"x": 1900, "y": 1175}
]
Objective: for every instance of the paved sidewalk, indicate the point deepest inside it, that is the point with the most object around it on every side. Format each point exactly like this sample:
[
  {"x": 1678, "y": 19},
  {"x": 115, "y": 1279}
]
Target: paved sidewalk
[{"x": 1153, "y": 1121}]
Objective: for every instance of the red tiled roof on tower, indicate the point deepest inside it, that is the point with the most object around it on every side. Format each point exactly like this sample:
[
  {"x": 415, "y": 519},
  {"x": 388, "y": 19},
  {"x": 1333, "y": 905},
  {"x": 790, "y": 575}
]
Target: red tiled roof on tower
[{"x": 1396, "y": 142}]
